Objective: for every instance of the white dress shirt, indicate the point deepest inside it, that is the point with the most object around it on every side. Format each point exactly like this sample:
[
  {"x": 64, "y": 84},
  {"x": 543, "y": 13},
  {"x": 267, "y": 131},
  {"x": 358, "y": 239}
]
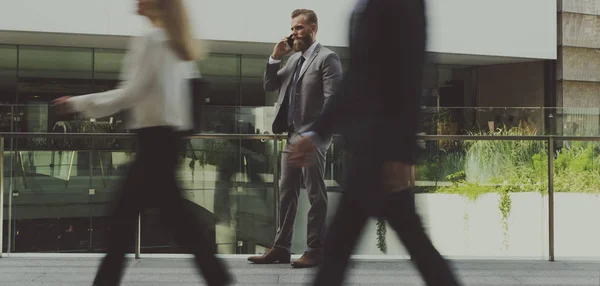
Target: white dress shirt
[
  {"x": 306, "y": 55},
  {"x": 155, "y": 87}
]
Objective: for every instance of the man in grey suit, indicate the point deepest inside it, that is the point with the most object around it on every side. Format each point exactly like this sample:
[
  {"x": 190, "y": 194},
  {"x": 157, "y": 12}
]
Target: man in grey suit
[{"x": 306, "y": 83}]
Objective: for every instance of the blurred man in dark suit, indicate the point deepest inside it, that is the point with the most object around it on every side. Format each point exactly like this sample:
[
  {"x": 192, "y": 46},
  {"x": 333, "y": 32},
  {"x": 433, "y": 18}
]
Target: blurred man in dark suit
[{"x": 377, "y": 114}]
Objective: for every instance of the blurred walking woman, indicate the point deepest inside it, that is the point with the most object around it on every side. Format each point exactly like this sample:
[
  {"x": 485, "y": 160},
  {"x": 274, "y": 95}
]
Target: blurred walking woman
[{"x": 155, "y": 92}]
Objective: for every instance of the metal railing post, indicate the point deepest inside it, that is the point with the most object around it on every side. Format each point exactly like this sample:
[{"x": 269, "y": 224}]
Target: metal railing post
[
  {"x": 551, "y": 197},
  {"x": 138, "y": 239},
  {"x": 276, "y": 182},
  {"x": 2, "y": 197}
]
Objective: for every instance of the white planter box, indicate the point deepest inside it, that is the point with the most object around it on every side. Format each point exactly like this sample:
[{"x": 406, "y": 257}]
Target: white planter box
[{"x": 460, "y": 228}]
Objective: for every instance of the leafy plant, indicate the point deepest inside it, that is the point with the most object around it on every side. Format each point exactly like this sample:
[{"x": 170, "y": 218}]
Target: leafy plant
[
  {"x": 457, "y": 177},
  {"x": 506, "y": 167},
  {"x": 381, "y": 232},
  {"x": 505, "y": 206},
  {"x": 489, "y": 159},
  {"x": 472, "y": 191}
]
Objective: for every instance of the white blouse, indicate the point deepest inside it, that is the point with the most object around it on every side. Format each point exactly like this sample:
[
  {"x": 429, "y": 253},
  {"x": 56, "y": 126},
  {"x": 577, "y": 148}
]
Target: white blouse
[{"x": 155, "y": 87}]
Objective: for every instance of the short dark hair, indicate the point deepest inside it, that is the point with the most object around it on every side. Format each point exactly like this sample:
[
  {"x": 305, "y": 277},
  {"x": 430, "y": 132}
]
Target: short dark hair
[{"x": 310, "y": 15}]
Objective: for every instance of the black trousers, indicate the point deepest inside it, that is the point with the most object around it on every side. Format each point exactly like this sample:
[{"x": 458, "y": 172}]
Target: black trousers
[
  {"x": 151, "y": 182},
  {"x": 364, "y": 198}
]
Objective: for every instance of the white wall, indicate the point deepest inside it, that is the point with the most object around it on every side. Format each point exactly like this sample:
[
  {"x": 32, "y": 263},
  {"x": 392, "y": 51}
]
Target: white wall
[{"x": 512, "y": 28}]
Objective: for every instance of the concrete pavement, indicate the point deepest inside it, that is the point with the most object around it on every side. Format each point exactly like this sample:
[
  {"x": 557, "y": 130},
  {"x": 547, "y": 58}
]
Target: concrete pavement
[{"x": 32, "y": 271}]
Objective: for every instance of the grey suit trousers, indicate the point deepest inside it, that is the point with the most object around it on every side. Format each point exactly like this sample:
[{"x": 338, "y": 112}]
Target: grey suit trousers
[{"x": 289, "y": 191}]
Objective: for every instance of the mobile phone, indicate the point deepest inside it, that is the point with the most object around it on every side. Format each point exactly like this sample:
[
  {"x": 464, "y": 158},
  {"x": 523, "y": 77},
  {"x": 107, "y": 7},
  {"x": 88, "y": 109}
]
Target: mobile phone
[{"x": 290, "y": 41}]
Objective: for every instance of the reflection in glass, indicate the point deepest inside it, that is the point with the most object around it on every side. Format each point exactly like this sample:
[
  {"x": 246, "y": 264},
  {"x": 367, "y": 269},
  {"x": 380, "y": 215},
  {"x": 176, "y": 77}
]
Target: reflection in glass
[
  {"x": 5, "y": 232},
  {"x": 8, "y": 75},
  {"x": 223, "y": 71},
  {"x": 62, "y": 192},
  {"x": 482, "y": 120},
  {"x": 230, "y": 188},
  {"x": 253, "y": 93},
  {"x": 574, "y": 121},
  {"x": 46, "y": 74}
]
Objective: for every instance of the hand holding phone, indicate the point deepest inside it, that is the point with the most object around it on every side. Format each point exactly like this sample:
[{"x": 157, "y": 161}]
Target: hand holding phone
[
  {"x": 290, "y": 41},
  {"x": 283, "y": 48}
]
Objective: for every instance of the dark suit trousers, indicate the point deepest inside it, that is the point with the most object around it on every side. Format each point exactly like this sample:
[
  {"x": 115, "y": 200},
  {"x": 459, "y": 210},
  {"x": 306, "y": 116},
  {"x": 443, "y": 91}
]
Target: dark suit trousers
[
  {"x": 151, "y": 182},
  {"x": 289, "y": 191},
  {"x": 362, "y": 195}
]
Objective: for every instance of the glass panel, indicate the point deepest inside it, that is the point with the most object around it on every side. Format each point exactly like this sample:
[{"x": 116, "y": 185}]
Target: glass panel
[
  {"x": 60, "y": 192},
  {"x": 48, "y": 73},
  {"x": 8, "y": 75},
  {"x": 334, "y": 168},
  {"x": 107, "y": 66},
  {"x": 482, "y": 120},
  {"x": 573, "y": 121},
  {"x": 110, "y": 165},
  {"x": 237, "y": 120},
  {"x": 54, "y": 218},
  {"x": 50, "y": 201},
  {"x": 248, "y": 175},
  {"x": 253, "y": 93},
  {"x": 228, "y": 184},
  {"x": 6, "y": 181},
  {"x": 220, "y": 119},
  {"x": 107, "y": 69},
  {"x": 485, "y": 198},
  {"x": 576, "y": 190},
  {"x": 223, "y": 72}
]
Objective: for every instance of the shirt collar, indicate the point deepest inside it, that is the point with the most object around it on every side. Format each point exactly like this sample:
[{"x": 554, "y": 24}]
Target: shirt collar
[{"x": 310, "y": 51}]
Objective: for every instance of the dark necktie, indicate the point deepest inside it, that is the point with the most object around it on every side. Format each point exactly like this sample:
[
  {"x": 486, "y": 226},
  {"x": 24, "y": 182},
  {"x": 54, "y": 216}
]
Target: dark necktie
[{"x": 292, "y": 92}]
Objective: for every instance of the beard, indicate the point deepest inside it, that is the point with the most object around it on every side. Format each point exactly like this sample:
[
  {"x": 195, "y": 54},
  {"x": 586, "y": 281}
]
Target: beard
[{"x": 302, "y": 44}]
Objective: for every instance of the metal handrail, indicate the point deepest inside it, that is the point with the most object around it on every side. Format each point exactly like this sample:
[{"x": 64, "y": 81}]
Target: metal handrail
[
  {"x": 131, "y": 135},
  {"x": 507, "y": 138},
  {"x": 283, "y": 136}
]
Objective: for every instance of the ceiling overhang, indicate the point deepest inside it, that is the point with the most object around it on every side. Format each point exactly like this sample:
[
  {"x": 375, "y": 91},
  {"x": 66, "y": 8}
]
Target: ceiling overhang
[{"x": 225, "y": 47}]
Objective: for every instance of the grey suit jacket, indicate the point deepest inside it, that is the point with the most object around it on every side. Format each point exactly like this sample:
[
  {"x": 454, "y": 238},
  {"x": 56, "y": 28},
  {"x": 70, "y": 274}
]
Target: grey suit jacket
[{"x": 320, "y": 79}]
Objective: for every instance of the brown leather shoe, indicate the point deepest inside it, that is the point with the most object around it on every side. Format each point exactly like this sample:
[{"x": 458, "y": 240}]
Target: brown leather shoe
[
  {"x": 273, "y": 255},
  {"x": 308, "y": 259}
]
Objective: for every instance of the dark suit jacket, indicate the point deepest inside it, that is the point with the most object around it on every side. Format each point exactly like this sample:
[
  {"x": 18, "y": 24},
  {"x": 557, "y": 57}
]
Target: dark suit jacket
[
  {"x": 320, "y": 80},
  {"x": 377, "y": 111}
]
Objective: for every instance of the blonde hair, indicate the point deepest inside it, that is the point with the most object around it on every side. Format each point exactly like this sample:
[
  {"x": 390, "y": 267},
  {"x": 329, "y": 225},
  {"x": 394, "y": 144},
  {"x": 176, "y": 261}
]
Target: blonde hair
[{"x": 177, "y": 24}]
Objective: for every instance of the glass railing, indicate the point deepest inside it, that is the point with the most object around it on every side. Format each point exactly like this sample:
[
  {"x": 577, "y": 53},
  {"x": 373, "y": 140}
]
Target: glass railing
[
  {"x": 481, "y": 194},
  {"x": 570, "y": 121},
  {"x": 57, "y": 191}
]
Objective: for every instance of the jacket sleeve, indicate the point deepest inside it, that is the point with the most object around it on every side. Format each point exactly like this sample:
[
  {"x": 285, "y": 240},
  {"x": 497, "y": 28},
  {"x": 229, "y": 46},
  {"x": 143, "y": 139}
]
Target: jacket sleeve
[
  {"x": 129, "y": 92},
  {"x": 332, "y": 79},
  {"x": 273, "y": 77}
]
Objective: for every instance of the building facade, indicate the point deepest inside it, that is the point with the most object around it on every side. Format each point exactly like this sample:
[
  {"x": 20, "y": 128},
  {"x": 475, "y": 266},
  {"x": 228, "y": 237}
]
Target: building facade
[
  {"x": 490, "y": 62},
  {"x": 483, "y": 53}
]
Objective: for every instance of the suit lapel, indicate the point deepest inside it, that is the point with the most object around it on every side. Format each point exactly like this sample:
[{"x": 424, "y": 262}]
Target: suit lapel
[{"x": 309, "y": 62}]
